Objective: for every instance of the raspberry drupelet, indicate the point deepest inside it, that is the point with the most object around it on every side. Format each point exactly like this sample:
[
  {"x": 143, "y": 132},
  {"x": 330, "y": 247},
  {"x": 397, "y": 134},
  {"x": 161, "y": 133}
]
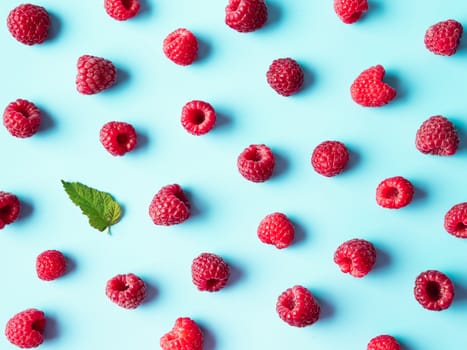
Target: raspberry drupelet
[
  {"x": 297, "y": 307},
  {"x": 256, "y": 163},
  {"x": 434, "y": 290},
  {"x": 356, "y": 257}
]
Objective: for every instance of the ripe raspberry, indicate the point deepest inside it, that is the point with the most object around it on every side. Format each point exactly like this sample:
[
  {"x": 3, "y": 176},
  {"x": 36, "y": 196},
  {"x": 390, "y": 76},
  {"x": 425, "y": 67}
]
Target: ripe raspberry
[
  {"x": 297, "y": 307},
  {"x": 355, "y": 256},
  {"x": 94, "y": 74},
  {"x": 350, "y": 11},
  {"x": 181, "y": 47},
  {"x": 383, "y": 342},
  {"x": 118, "y": 138},
  {"x": 26, "y": 328},
  {"x": 330, "y": 158},
  {"x": 50, "y": 265},
  {"x": 434, "y": 290},
  {"x": 198, "y": 117},
  {"x": 22, "y": 118},
  {"x": 285, "y": 76},
  {"x": 127, "y": 291},
  {"x": 169, "y": 206},
  {"x": 276, "y": 229},
  {"x": 29, "y": 24},
  {"x": 455, "y": 220},
  {"x": 256, "y": 163},
  {"x": 437, "y": 136},
  {"x": 209, "y": 272},
  {"x": 121, "y": 10},
  {"x": 9, "y": 208},
  {"x": 246, "y": 15},
  {"x": 394, "y": 192},
  {"x": 185, "y": 335},
  {"x": 369, "y": 90},
  {"x": 443, "y": 38}
]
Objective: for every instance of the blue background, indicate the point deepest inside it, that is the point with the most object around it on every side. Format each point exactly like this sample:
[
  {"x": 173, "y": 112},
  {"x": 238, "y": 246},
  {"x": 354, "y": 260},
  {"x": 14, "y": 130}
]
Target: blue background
[{"x": 230, "y": 74}]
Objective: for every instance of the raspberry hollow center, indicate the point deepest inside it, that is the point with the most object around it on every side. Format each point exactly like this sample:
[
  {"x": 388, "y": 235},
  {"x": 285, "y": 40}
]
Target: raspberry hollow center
[
  {"x": 122, "y": 139},
  {"x": 289, "y": 304},
  {"x": 433, "y": 290},
  {"x": 120, "y": 286},
  {"x": 461, "y": 228},
  {"x": 391, "y": 193},
  {"x": 5, "y": 211},
  {"x": 345, "y": 265},
  {"x": 38, "y": 325},
  {"x": 234, "y": 4},
  {"x": 212, "y": 283},
  {"x": 127, "y": 4},
  {"x": 197, "y": 117},
  {"x": 253, "y": 155}
]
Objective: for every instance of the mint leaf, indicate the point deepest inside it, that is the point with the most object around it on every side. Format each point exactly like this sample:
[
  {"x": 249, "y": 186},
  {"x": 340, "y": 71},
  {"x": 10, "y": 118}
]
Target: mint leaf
[{"x": 100, "y": 207}]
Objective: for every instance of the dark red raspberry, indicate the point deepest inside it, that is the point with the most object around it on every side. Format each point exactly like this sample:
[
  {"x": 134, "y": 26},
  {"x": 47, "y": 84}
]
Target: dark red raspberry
[
  {"x": 383, "y": 342},
  {"x": 127, "y": 291},
  {"x": 118, "y": 138},
  {"x": 181, "y": 47},
  {"x": 29, "y": 24},
  {"x": 434, "y": 290},
  {"x": 198, "y": 117},
  {"x": 394, "y": 192},
  {"x": 330, "y": 158},
  {"x": 246, "y": 15},
  {"x": 9, "y": 208},
  {"x": 26, "y": 328},
  {"x": 185, "y": 335},
  {"x": 94, "y": 74},
  {"x": 169, "y": 206},
  {"x": 369, "y": 90},
  {"x": 285, "y": 76},
  {"x": 22, "y": 118},
  {"x": 350, "y": 11},
  {"x": 121, "y": 10},
  {"x": 437, "y": 136},
  {"x": 298, "y": 307},
  {"x": 50, "y": 264},
  {"x": 455, "y": 220},
  {"x": 256, "y": 163},
  {"x": 276, "y": 229},
  {"x": 443, "y": 38},
  {"x": 209, "y": 272},
  {"x": 355, "y": 256}
]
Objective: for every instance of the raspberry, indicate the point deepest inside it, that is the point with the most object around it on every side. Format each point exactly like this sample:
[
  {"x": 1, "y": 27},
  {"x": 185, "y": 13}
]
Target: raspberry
[
  {"x": 285, "y": 76},
  {"x": 50, "y": 265},
  {"x": 26, "y": 328},
  {"x": 383, "y": 342},
  {"x": 394, "y": 192},
  {"x": 437, "y": 136},
  {"x": 276, "y": 229},
  {"x": 29, "y": 24},
  {"x": 169, "y": 206},
  {"x": 9, "y": 208},
  {"x": 298, "y": 307},
  {"x": 443, "y": 38},
  {"x": 209, "y": 272},
  {"x": 455, "y": 220},
  {"x": 198, "y": 117},
  {"x": 118, "y": 138},
  {"x": 350, "y": 11},
  {"x": 94, "y": 74},
  {"x": 256, "y": 163},
  {"x": 434, "y": 290},
  {"x": 121, "y": 10},
  {"x": 181, "y": 47},
  {"x": 246, "y": 15},
  {"x": 330, "y": 158},
  {"x": 22, "y": 118},
  {"x": 369, "y": 90},
  {"x": 127, "y": 291},
  {"x": 355, "y": 256},
  {"x": 185, "y": 335}
]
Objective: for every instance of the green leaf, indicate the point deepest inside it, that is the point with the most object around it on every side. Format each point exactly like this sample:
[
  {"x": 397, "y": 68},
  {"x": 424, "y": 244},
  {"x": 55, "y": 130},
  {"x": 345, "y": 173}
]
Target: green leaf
[{"x": 100, "y": 207}]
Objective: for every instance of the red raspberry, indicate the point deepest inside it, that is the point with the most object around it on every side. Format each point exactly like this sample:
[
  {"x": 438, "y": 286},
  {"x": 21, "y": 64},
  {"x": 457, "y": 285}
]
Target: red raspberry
[
  {"x": 29, "y": 24},
  {"x": 121, "y": 10},
  {"x": 285, "y": 76},
  {"x": 383, "y": 342},
  {"x": 246, "y": 15},
  {"x": 127, "y": 291},
  {"x": 118, "y": 138},
  {"x": 22, "y": 118},
  {"x": 369, "y": 90},
  {"x": 330, "y": 158},
  {"x": 443, "y": 38},
  {"x": 298, "y": 307},
  {"x": 256, "y": 163},
  {"x": 181, "y": 47},
  {"x": 26, "y": 328},
  {"x": 434, "y": 290},
  {"x": 50, "y": 264},
  {"x": 209, "y": 272},
  {"x": 437, "y": 136},
  {"x": 394, "y": 192},
  {"x": 276, "y": 229},
  {"x": 169, "y": 206},
  {"x": 94, "y": 74},
  {"x": 350, "y": 11},
  {"x": 198, "y": 117},
  {"x": 9, "y": 208},
  {"x": 455, "y": 220},
  {"x": 185, "y": 335},
  {"x": 355, "y": 256}
]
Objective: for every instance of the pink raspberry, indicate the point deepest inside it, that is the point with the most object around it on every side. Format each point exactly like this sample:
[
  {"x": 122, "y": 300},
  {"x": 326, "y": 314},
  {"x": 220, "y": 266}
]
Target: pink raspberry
[
  {"x": 285, "y": 76},
  {"x": 95, "y": 74},
  {"x": 437, "y": 136},
  {"x": 26, "y": 328},
  {"x": 394, "y": 192},
  {"x": 369, "y": 90},
  {"x": 127, "y": 291},
  {"x": 356, "y": 257},
  {"x": 350, "y": 11},
  {"x": 256, "y": 163},
  {"x": 198, "y": 117},
  {"x": 181, "y": 47},
  {"x": 169, "y": 206},
  {"x": 209, "y": 272},
  {"x": 185, "y": 335},
  {"x": 118, "y": 138},
  {"x": 455, "y": 220},
  {"x": 330, "y": 158},
  {"x": 383, "y": 342},
  {"x": 9, "y": 208},
  {"x": 22, "y": 118},
  {"x": 297, "y": 307},
  {"x": 276, "y": 229},
  {"x": 434, "y": 290},
  {"x": 121, "y": 10},
  {"x": 50, "y": 265},
  {"x": 29, "y": 24},
  {"x": 246, "y": 15},
  {"x": 443, "y": 38}
]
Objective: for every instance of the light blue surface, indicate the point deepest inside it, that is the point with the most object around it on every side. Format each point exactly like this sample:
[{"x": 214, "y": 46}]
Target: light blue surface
[{"x": 230, "y": 74}]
